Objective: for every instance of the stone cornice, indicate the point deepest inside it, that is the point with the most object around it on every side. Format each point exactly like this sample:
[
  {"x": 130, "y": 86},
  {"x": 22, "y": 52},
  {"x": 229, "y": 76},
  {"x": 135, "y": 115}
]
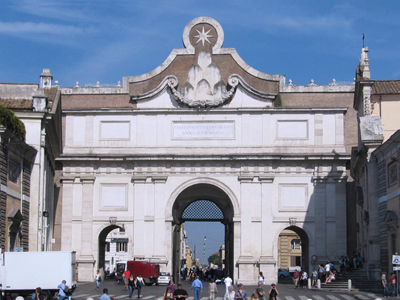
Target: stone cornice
[
  {"x": 225, "y": 110},
  {"x": 228, "y": 157}
]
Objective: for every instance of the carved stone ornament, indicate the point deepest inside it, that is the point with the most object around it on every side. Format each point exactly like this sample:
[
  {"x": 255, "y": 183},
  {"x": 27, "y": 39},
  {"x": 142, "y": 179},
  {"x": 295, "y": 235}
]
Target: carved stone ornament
[{"x": 204, "y": 87}]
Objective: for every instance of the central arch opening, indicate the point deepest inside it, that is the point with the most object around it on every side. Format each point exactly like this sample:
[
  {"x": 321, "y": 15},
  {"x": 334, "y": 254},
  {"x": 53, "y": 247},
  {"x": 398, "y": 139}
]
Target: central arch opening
[{"x": 203, "y": 203}]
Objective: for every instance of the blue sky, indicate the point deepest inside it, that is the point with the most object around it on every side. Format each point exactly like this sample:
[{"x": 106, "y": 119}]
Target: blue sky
[
  {"x": 214, "y": 233},
  {"x": 89, "y": 41}
]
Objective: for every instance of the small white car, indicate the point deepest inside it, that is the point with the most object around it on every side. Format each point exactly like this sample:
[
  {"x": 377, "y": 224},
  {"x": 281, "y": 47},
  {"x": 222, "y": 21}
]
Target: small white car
[{"x": 164, "y": 278}]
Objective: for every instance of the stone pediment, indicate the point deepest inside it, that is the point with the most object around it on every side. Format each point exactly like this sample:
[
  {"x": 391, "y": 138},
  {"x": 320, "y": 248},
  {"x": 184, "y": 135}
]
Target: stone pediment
[{"x": 203, "y": 74}]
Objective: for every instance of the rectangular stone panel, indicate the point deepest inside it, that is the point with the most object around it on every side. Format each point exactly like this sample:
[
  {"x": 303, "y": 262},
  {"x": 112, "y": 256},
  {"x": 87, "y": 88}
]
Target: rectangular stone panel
[
  {"x": 203, "y": 130},
  {"x": 113, "y": 196},
  {"x": 113, "y": 130},
  {"x": 292, "y": 129},
  {"x": 293, "y": 197}
]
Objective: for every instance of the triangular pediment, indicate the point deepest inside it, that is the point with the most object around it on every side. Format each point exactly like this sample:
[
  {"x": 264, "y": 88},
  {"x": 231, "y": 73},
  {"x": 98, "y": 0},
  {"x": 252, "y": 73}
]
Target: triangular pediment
[{"x": 203, "y": 74}]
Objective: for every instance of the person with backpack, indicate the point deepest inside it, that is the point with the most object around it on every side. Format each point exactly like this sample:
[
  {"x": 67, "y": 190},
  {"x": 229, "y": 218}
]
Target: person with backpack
[
  {"x": 138, "y": 284},
  {"x": 62, "y": 290}
]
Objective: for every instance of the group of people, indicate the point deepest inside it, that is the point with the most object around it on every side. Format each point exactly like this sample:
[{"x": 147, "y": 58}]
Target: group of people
[
  {"x": 132, "y": 283},
  {"x": 389, "y": 285},
  {"x": 63, "y": 290},
  {"x": 204, "y": 274},
  {"x": 197, "y": 287},
  {"x": 300, "y": 278},
  {"x": 258, "y": 294}
]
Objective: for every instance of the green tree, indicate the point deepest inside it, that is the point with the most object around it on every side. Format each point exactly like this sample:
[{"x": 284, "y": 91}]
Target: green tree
[
  {"x": 9, "y": 120},
  {"x": 214, "y": 259}
]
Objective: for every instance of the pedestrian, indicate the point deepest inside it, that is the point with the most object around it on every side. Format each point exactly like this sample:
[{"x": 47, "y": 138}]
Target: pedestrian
[
  {"x": 393, "y": 284},
  {"x": 304, "y": 279},
  {"x": 254, "y": 296},
  {"x": 314, "y": 278},
  {"x": 168, "y": 295},
  {"x": 212, "y": 289},
  {"x": 261, "y": 277},
  {"x": 241, "y": 293},
  {"x": 131, "y": 285},
  {"x": 260, "y": 291},
  {"x": 138, "y": 284},
  {"x": 98, "y": 279},
  {"x": 228, "y": 283},
  {"x": 61, "y": 292},
  {"x": 385, "y": 287},
  {"x": 354, "y": 257},
  {"x": 105, "y": 295},
  {"x": 180, "y": 293},
  {"x": 296, "y": 276},
  {"x": 39, "y": 295},
  {"x": 321, "y": 272},
  {"x": 197, "y": 286},
  {"x": 273, "y": 292},
  {"x": 327, "y": 270},
  {"x": 127, "y": 273},
  {"x": 171, "y": 285},
  {"x": 230, "y": 294}
]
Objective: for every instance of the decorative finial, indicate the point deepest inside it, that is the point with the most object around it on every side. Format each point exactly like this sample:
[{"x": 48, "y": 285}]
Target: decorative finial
[
  {"x": 363, "y": 40},
  {"x": 98, "y": 83},
  {"x": 333, "y": 81},
  {"x": 77, "y": 84},
  {"x": 56, "y": 82},
  {"x": 119, "y": 83},
  {"x": 290, "y": 82},
  {"x": 312, "y": 82}
]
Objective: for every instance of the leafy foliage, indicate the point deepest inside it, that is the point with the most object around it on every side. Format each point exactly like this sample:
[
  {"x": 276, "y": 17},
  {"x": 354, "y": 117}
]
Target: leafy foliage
[
  {"x": 214, "y": 259},
  {"x": 9, "y": 120}
]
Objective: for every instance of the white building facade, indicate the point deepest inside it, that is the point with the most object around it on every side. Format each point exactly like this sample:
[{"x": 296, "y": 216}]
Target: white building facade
[{"x": 262, "y": 155}]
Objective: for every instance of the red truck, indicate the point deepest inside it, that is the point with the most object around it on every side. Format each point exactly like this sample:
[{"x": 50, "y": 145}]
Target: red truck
[{"x": 149, "y": 272}]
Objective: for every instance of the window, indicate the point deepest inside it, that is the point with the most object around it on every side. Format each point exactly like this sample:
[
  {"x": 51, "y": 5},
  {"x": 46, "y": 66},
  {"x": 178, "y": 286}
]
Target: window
[
  {"x": 296, "y": 244},
  {"x": 122, "y": 247},
  {"x": 107, "y": 246}
]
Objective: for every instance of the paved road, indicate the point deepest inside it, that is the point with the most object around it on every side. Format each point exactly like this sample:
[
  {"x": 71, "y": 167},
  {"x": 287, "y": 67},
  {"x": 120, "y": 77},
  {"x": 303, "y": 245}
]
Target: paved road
[{"x": 286, "y": 290}]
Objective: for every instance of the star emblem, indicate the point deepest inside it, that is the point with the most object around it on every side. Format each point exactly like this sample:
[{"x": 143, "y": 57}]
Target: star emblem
[{"x": 203, "y": 36}]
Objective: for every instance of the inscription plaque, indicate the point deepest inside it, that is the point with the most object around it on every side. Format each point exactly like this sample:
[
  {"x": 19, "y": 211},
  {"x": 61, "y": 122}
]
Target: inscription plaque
[{"x": 203, "y": 130}]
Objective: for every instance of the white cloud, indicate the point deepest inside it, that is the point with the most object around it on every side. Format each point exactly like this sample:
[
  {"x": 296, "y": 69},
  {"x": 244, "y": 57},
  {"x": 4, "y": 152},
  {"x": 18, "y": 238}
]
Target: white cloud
[{"x": 16, "y": 28}]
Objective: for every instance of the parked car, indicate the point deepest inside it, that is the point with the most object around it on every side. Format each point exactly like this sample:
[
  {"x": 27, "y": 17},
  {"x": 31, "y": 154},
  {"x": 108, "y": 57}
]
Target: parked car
[
  {"x": 283, "y": 273},
  {"x": 164, "y": 278}
]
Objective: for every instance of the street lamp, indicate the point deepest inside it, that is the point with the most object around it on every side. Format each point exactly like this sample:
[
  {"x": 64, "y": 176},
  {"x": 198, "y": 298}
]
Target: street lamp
[{"x": 204, "y": 256}]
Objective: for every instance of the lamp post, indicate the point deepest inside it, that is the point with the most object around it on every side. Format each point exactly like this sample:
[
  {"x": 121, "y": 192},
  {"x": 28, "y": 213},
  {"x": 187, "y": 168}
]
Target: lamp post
[{"x": 204, "y": 255}]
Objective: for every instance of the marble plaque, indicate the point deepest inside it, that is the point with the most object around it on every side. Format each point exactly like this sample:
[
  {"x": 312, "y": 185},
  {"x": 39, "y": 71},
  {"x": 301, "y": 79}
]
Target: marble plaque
[
  {"x": 292, "y": 197},
  {"x": 115, "y": 130},
  {"x": 203, "y": 130},
  {"x": 292, "y": 129},
  {"x": 113, "y": 196}
]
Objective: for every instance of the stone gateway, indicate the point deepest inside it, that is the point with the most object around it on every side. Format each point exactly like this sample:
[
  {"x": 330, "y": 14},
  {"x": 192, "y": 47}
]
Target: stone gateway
[{"x": 205, "y": 126}]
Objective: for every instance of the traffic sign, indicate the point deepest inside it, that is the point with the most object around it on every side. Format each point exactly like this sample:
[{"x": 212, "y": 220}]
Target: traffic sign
[
  {"x": 396, "y": 268},
  {"x": 396, "y": 259}
]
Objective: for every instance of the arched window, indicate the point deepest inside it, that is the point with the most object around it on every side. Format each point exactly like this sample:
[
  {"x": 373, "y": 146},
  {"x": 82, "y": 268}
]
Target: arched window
[{"x": 296, "y": 244}]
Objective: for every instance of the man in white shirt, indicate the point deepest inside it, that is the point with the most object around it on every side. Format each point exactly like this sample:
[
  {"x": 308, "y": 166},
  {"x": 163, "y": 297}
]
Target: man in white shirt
[
  {"x": 228, "y": 283},
  {"x": 327, "y": 269}
]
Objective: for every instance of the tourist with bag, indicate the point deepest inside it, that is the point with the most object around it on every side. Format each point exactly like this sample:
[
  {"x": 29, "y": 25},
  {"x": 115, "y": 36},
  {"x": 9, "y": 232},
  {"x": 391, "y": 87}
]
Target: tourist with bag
[{"x": 138, "y": 284}]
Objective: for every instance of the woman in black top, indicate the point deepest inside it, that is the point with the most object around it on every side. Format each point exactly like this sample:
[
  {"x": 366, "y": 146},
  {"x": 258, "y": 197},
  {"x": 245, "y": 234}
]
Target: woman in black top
[
  {"x": 131, "y": 285},
  {"x": 273, "y": 292}
]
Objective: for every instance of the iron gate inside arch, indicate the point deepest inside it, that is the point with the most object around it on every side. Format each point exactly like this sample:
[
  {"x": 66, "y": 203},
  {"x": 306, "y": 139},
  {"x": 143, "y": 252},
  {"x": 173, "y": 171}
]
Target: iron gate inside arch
[{"x": 202, "y": 210}]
